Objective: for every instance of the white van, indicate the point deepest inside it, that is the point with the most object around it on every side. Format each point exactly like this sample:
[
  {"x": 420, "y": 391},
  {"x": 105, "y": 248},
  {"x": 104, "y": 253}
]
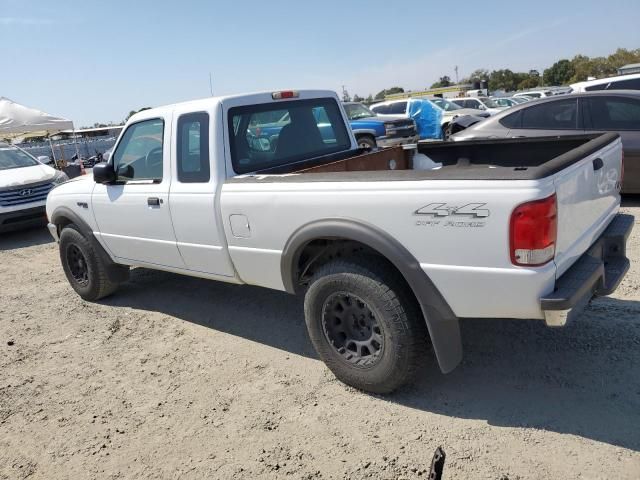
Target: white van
[
  {"x": 620, "y": 82},
  {"x": 24, "y": 185}
]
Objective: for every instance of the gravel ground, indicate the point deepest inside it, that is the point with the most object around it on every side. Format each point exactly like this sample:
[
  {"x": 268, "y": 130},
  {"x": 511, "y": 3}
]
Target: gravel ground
[{"x": 176, "y": 377}]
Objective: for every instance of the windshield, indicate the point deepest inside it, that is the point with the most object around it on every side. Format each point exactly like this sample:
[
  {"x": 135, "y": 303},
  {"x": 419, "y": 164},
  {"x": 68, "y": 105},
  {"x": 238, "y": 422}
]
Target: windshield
[
  {"x": 446, "y": 105},
  {"x": 489, "y": 103},
  {"x": 12, "y": 157},
  {"x": 357, "y": 110}
]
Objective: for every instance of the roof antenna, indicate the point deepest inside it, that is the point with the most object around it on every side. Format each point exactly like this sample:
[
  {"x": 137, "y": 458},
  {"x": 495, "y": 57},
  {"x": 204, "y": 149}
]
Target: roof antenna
[{"x": 210, "y": 84}]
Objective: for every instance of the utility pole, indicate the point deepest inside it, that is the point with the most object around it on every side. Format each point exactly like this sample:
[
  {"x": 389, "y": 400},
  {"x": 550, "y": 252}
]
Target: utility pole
[
  {"x": 210, "y": 84},
  {"x": 456, "y": 70}
]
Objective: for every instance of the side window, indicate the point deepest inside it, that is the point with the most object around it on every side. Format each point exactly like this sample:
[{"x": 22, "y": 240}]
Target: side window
[
  {"x": 193, "y": 148},
  {"x": 627, "y": 84},
  {"x": 561, "y": 115},
  {"x": 613, "y": 113},
  {"x": 512, "y": 121},
  {"x": 139, "y": 153},
  {"x": 382, "y": 109},
  {"x": 399, "y": 108}
]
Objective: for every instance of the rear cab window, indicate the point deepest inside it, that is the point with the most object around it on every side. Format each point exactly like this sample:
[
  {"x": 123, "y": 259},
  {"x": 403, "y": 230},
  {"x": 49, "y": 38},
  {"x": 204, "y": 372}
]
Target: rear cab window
[{"x": 275, "y": 134}]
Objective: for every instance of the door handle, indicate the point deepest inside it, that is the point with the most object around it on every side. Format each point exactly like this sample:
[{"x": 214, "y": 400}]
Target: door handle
[
  {"x": 154, "y": 201},
  {"x": 597, "y": 164}
]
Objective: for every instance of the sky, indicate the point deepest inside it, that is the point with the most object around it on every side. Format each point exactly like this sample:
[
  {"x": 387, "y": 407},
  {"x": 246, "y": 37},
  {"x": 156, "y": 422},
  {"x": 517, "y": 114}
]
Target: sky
[{"x": 94, "y": 61}]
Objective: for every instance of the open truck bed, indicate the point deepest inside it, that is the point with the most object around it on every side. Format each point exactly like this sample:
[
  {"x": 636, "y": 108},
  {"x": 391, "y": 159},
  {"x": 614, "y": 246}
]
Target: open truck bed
[{"x": 496, "y": 159}]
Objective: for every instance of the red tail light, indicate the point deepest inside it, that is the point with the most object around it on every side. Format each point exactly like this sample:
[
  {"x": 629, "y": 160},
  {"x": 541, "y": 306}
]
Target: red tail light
[{"x": 533, "y": 231}]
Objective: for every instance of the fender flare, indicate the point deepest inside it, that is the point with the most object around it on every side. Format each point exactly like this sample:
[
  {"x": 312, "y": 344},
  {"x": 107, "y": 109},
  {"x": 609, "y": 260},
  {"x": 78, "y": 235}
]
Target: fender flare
[
  {"x": 115, "y": 272},
  {"x": 442, "y": 323},
  {"x": 365, "y": 131}
]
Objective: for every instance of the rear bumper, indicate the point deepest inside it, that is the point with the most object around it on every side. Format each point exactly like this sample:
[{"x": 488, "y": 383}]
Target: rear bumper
[
  {"x": 597, "y": 272},
  {"x": 19, "y": 219}
]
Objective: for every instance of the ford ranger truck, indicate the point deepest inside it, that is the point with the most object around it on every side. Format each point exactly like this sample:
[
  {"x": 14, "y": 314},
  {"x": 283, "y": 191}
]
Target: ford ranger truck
[{"x": 388, "y": 255}]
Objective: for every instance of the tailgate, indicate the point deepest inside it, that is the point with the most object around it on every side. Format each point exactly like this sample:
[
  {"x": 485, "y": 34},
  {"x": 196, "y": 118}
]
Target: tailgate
[{"x": 588, "y": 194}]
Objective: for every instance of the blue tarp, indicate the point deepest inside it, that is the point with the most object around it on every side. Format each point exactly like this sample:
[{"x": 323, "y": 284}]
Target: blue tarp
[{"x": 428, "y": 118}]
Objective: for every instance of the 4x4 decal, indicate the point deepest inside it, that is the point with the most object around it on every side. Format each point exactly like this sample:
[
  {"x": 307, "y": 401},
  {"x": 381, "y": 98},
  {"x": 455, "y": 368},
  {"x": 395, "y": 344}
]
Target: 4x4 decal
[{"x": 444, "y": 210}]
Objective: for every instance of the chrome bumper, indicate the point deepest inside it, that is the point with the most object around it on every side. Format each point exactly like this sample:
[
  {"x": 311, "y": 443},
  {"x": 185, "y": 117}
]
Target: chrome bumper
[
  {"x": 53, "y": 230},
  {"x": 598, "y": 272},
  {"x": 394, "y": 141}
]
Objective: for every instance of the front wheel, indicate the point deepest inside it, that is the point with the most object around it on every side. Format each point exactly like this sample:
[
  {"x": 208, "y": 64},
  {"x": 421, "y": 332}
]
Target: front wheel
[
  {"x": 364, "y": 325},
  {"x": 366, "y": 142},
  {"x": 85, "y": 270}
]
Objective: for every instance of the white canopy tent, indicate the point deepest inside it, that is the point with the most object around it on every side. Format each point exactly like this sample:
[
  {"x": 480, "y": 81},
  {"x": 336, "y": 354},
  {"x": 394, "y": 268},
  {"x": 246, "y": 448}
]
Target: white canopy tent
[{"x": 18, "y": 121}]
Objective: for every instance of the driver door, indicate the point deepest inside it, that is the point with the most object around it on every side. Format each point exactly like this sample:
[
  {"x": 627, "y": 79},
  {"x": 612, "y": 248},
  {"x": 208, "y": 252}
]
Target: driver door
[{"x": 133, "y": 216}]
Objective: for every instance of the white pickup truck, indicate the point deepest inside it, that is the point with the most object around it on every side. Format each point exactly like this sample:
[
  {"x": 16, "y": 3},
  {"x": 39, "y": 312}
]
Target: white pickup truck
[{"x": 387, "y": 253}]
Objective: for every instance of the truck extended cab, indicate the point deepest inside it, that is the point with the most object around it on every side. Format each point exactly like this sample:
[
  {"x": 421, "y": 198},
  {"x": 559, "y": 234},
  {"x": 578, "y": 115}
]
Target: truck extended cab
[{"x": 388, "y": 254}]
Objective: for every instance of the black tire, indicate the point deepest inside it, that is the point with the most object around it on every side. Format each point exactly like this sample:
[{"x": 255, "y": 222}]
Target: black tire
[
  {"x": 85, "y": 270},
  {"x": 391, "y": 318},
  {"x": 366, "y": 141},
  {"x": 446, "y": 131}
]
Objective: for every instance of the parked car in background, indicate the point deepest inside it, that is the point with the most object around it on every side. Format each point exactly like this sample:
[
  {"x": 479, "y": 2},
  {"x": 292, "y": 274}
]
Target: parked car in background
[
  {"x": 535, "y": 93},
  {"x": 620, "y": 82},
  {"x": 609, "y": 111},
  {"x": 479, "y": 103},
  {"x": 24, "y": 185},
  {"x": 373, "y": 131},
  {"x": 450, "y": 111},
  {"x": 507, "y": 101}
]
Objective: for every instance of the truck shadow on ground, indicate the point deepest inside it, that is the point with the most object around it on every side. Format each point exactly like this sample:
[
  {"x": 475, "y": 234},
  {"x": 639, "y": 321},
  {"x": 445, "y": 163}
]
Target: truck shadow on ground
[
  {"x": 25, "y": 238},
  {"x": 581, "y": 380}
]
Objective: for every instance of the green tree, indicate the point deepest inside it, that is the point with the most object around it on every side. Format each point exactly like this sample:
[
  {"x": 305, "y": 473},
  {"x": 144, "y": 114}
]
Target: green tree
[
  {"x": 529, "y": 82},
  {"x": 622, "y": 57},
  {"x": 390, "y": 91},
  {"x": 369, "y": 99},
  {"x": 357, "y": 98},
  {"x": 559, "y": 73},
  {"x": 504, "y": 80},
  {"x": 479, "y": 74},
  {"x": 444, "y": 81}
]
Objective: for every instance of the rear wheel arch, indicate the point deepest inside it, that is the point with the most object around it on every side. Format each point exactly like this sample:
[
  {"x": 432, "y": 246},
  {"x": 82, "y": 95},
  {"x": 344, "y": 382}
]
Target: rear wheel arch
[{"x": 442, "y": 323}]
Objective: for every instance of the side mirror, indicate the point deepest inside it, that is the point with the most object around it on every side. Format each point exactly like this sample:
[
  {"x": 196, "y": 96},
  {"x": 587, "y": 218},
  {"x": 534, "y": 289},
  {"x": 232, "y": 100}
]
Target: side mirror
[
  {"x": 104, "y": 173},
  {"x": 45, "y": 159}
]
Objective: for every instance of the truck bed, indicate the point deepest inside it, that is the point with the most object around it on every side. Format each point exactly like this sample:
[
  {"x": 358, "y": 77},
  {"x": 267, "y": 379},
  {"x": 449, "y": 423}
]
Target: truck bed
[{"x": 493, "y": 159}]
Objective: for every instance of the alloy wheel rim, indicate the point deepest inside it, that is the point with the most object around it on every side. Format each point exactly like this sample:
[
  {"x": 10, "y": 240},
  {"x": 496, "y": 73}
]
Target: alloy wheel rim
[
  {"x": 352, "y": 329},
  {"x": 78, "y": 265}
]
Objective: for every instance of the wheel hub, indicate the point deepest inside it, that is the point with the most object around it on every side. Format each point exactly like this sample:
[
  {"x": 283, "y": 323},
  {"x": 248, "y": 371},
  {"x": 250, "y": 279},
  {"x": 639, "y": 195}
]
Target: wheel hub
[
  {"x": 77, "y": 265},
  {"x": 352, "y": 329}
]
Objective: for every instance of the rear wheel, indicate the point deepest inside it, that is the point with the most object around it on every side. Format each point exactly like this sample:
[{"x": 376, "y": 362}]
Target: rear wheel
[
  {"x": 85, "y": 270},
  {"x": 364, "y": 325}
]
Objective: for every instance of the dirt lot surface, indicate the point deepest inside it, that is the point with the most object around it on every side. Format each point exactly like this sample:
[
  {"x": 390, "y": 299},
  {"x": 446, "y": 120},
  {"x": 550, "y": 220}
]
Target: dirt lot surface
[{"x": 184, "y": 378}]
